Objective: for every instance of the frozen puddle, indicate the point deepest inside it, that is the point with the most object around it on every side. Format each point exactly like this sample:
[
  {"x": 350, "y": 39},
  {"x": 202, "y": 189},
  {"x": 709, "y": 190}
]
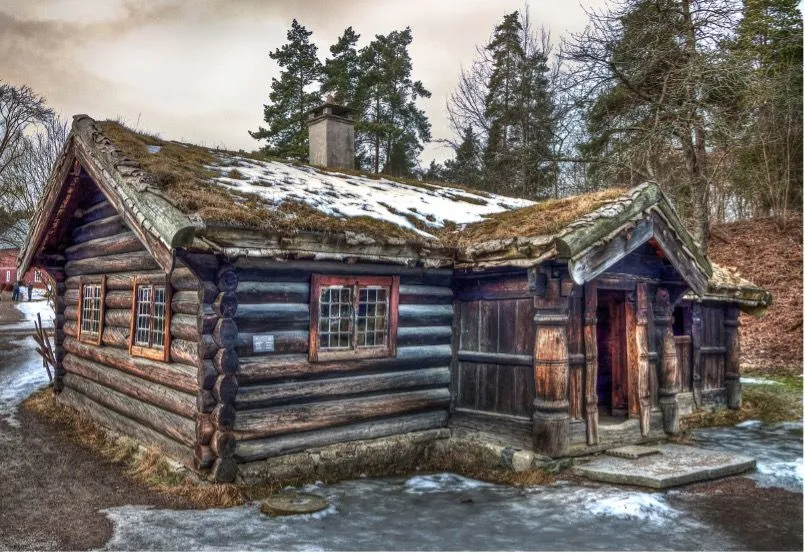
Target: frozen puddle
[
  {"x": 777, "y": 448},
  {"x": 442, "y": 511}
]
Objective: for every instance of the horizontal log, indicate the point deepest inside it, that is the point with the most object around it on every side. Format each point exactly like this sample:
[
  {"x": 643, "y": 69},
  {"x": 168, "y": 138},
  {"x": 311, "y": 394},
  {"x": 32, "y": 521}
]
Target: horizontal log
[
  {"x": 70, "y": 328},
  {"x": 205, "y": 429},
  {"x": 497, "y": 358},
  {"x": 125, "y": 242},
  {"x": 174, "y": 401},
  {"x": 251, "y": 397},
  {"x": 712, "y": 350},
  {"x": 174, "y": 375},
  {"x": 126, "y": 426},
  {"x": 116, "y": 337},
  {"x": 275, "y": 421},
  {"x": 117, "y": 317},
  {"x": 254, "y": 450},
  {"x": 512, "y": 286},
  {"x": 269, "y": 317},
  {"x": 418, "y": 294},
  {"x": 273, "y": 292},
  {"x": 223, "y": 444},
  {"x": 267, "y": 270},
  {"x": 423, "y": 335},
  {"x": 116, "y": 281},
  {"x": 294, "y": 341},
  {"x": 184, "y": 279},
  {"x": 225, "y": 389},
  {"x": 168, "y": 424},
  {"x": 262, "y": 369},
  {"x": 225, "y": 305},
  {"x": 112, "y": 264},
  {"x": 100, "y": 210},
  {"x": 186, "y": 327},
  {"x": 225, "y": 333},
  {"x": 205, "y": 402},
  {"x": 113, "y": 299},
  {"x": 190, "y": 353},
  {"x": 206, "y": 376},
  {"x": 186, "y": 303},
  {"x": 425, "y": 315},
  {"x": 226, "y": 361},
  {"x": 99, "y": 228}
]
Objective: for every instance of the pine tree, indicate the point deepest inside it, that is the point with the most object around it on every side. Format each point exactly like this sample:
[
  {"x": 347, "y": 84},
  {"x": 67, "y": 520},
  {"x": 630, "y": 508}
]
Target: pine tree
[
  {"x": 392, "y": 128},
  {"x": 342, "y": 72},
  {"x": 465, "y": 168},
  {"x": 291, "y": 96}
]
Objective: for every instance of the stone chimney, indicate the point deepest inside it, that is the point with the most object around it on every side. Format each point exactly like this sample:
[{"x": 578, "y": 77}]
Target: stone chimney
[{"x": 331, "y": 130}]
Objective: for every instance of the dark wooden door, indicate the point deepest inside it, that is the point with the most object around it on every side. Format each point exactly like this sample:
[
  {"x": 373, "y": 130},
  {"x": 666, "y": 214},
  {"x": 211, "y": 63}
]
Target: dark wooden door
[{"x": 613, "y": 383}]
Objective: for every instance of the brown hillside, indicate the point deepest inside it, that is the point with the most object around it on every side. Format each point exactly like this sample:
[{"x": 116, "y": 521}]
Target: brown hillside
[{"x": 772, "y": 258}]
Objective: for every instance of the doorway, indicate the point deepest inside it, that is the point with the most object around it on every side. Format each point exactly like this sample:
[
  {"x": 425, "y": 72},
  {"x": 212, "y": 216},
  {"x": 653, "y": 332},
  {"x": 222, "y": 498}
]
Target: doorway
[{"x": 612, "y": 384}]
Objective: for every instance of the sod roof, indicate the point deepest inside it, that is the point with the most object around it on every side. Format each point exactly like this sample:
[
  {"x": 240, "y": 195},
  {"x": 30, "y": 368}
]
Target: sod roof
[{"x": 189, "y": 196}]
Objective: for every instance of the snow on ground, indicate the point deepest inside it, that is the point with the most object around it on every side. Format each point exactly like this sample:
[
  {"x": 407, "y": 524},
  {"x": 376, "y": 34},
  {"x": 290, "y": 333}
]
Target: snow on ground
[
  {"x": 340, "y": 195},
  {"x": 21, "y": 373},
  {"x": 759, "y": 381},
  {"x": 776, "y": 447},
  {"x": 382, "y": 514}
]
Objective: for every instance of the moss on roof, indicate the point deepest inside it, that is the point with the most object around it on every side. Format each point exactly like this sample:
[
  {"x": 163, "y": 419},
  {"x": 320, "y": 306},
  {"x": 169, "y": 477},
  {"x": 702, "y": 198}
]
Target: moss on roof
[
  {"x": 542, "y": 219},
  {"x": 181, "y": 172}
]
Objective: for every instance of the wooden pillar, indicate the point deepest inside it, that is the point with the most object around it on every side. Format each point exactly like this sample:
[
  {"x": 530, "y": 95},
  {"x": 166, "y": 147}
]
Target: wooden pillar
[
  {"x": 732, "y": 338},
  {"x": 696, "y": 334},
  {"x": 670, "y": 382},
  {"x": 591, "y": 361},
  {"x": 641, "y": 341},
  {"x": 551, "y": 419}
]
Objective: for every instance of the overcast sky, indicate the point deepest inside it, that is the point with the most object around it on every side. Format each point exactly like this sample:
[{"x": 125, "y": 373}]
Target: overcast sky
[{"x": 199, "y": 70}]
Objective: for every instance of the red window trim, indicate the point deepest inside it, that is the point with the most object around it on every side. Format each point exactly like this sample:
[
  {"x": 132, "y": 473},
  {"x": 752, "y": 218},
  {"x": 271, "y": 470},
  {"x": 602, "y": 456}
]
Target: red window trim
[
  {"x": 318, "y": 282},
  {"x": 156, "y": 354},
  {"x": 84, "y": 281}
]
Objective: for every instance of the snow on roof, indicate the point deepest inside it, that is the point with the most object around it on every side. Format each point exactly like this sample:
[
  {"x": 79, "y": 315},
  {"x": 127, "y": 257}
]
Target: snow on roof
[{"x": 411, "y": 206}]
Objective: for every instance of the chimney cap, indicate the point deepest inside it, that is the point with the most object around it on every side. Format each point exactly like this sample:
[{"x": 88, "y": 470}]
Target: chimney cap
[{"x": 329, "y": 107}]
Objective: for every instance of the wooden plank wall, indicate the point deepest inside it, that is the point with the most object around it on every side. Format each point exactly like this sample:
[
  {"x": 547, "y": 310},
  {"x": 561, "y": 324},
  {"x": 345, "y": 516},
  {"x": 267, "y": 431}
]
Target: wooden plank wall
[
  {"x": 495, "y": 326},
  {"x": 713, "y": 351},
  {"x": 286, "y": 404},
  {"x": 152, "y": 401}
]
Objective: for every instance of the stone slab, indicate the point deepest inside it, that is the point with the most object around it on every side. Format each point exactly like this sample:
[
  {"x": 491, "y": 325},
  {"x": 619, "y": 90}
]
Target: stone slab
[
  {"x": 633, "y": 451},
  {"x": 677, "y": 465}
]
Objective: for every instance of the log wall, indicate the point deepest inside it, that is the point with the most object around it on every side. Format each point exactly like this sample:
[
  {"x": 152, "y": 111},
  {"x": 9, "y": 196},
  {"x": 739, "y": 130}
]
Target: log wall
[
  {"x": 284, "y": 403},
  {"x": 153, "y": 401}
]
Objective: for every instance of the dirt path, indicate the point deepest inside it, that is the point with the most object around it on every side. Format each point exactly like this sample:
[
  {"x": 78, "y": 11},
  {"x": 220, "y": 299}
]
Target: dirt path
[{"x": 53, "y": 489}]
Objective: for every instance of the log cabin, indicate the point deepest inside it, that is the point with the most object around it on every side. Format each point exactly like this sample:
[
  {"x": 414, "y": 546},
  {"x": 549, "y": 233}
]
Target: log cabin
[{"x": 230, "y": 309}]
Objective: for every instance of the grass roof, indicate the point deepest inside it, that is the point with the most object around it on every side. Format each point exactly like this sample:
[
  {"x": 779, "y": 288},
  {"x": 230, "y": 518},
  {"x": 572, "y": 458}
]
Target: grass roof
[{"x": 542, "y": 219}]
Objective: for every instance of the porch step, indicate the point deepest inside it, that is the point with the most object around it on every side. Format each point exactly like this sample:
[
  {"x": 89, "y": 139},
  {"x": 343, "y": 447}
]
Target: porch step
[{"x": 633, "y": 451}]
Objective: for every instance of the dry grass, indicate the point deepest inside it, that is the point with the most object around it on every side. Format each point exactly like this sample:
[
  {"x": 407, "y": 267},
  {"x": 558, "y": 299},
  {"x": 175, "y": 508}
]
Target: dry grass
[
  {"x": 152, "y": 469},
  {"x": 767, "y": 403},
  {"x": 8, "y": 312},
  {"x": 543, "y": 219}
]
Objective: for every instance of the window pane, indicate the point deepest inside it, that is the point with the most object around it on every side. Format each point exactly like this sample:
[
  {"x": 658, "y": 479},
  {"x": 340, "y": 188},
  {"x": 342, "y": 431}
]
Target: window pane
[
  {"x": 158, "y": 322},
  {"x": 372, "y": 321},
  {"x": 91, "y": 310},
  {"x": 335, "y": 318},
  {"x": 142, "y": 327}
]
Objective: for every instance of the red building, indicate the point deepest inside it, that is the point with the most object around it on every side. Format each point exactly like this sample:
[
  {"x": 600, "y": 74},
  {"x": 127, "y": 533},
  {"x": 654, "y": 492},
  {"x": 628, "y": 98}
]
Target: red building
[{"x": 8, "y": 271}]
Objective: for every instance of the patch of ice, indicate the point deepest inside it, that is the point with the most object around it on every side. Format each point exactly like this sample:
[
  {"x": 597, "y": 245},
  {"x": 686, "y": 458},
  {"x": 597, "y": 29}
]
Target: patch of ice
[
  {"x": 21, "y": 373},
  {"x": 633, "y": 505},
  {"x": 759, "y": 381},
  {"x": 340, "y": 195},
  {"x": 152, "y": 149},
  {"x": 444, "y": 482},
  {"x": 749, "y": 424},
  {"x": 780, "y": 474}
]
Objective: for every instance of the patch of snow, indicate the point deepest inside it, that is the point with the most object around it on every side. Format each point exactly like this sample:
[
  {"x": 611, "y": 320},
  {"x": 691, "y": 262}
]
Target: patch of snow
[
  {"x": 21, "y": 373},
  {"x": 759, "y": 381},
  {"x": 649, "y": 507},
  {"x": 749, "y": 424},
  {"x": 29, "y": 310},
  {"x": 340, "y": 195},
  {"x": 444, "y": 482},
  {"x": 152, "y": 149}
]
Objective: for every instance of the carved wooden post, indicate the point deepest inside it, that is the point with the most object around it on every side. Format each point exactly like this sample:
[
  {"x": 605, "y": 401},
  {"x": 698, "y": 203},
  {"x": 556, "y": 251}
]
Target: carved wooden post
[
  {"x": 591, "y": 360},
  {"x": 732, "y": 377},
  {"x": 551, "y": 420},
  {"x": 641, "y": 339},
  {"x": 696, "y": 347},
  {"x": 670, "y": 381}
]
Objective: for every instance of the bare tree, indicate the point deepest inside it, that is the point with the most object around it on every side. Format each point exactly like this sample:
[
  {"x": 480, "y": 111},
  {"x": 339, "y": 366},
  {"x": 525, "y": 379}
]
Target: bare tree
[
  {"x": 652, "y": 77},
  {"x": 31, "y": 137}
]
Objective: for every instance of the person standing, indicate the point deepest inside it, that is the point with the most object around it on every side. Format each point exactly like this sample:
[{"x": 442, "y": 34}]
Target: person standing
[
  {"x": 30, "y": 291},
  {"x": 15, "y": 293}
]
